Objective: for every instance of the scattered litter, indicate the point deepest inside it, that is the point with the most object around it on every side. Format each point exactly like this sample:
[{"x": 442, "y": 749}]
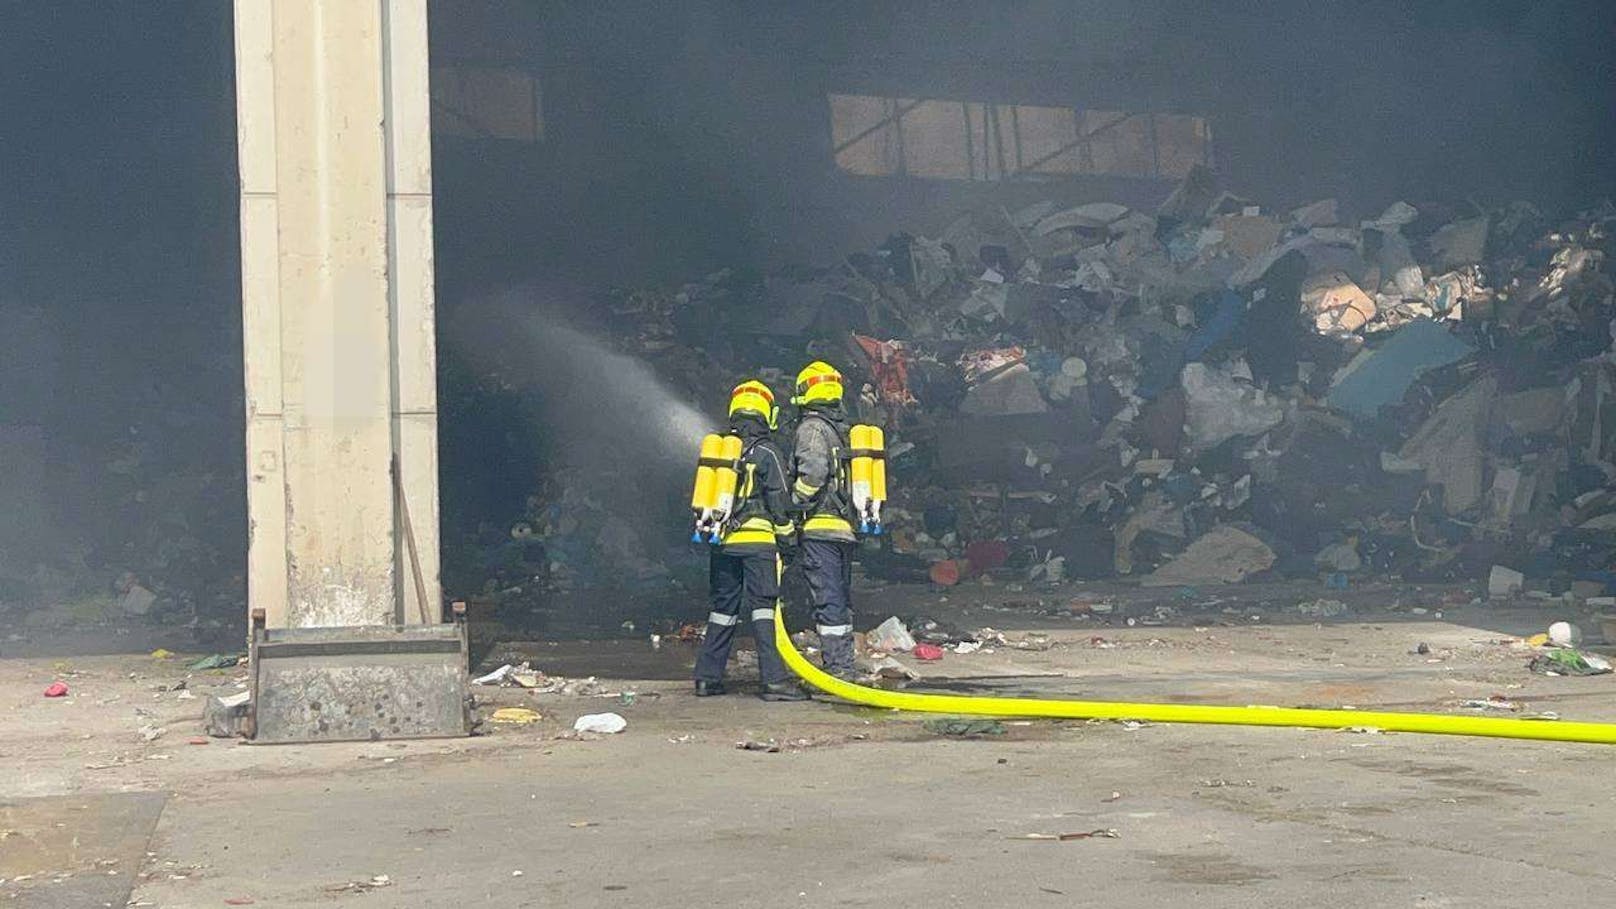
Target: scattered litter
[
  {"x": 56, "y": 690},
  {"x": 217, "y": 661},
  {"x": 927, "y": 652},
  {"x": 884, "y": 668},
  {"x": 1566, "y": 661},
  {"x": 1104, "y": 834},
  {"x": 1565, "y": 634},
  {"x": 1322, "y": 609},
  {"x": 495, "y": 677},
  {"x": 1496, "y": 702},
  {"x": 162, "y": 654},
  {"x": 1382, "y": 376},
  {"x": 963, "y": 727},
  {"x": 226, "y": 717},
  {"x": 375, "y": 883},
  {"x": 522, "y": 675},
  {"x": 516, "y": 716},
  {"x": 891, "y": 636},
  {"x": 1504, "y": 582},
  {"x": 602, "y": 723},
  {"x": 1225, "y": 554}
]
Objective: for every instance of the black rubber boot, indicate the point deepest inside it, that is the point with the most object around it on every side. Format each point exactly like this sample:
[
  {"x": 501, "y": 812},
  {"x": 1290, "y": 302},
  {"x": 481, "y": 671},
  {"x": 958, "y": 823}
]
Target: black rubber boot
[
  {"x": 836, "y": 656},
  {"x": 707, "y": 689},
  {"x": 782, "y": 691}
]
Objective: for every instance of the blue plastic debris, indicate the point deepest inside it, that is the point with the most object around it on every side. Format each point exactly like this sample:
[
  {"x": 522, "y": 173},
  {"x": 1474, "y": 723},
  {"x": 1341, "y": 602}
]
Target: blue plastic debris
[{"x": 1384, "y": 375}]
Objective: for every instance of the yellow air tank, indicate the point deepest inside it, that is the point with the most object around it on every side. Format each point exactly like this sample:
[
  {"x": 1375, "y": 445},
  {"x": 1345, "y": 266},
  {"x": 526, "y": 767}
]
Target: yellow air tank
[
  {"x": 705, "y": 494},
  {"x": 727, "y": 474},
  {"x": 878, "y": 476},
  {"x": 860, "y": 471}
]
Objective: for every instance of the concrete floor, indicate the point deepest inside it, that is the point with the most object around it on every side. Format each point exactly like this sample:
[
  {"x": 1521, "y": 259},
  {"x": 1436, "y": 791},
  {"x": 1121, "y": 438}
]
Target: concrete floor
[{"x": 860, "y": 808}]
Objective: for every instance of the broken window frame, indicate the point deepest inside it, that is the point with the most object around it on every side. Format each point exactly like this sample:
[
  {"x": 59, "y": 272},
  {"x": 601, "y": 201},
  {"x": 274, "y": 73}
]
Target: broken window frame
[{"x": 988, "y": 129}]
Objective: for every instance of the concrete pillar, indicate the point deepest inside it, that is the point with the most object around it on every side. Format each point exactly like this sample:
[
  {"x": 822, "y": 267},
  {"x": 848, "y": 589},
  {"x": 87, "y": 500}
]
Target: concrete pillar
[{"x": 333, "y": 123}]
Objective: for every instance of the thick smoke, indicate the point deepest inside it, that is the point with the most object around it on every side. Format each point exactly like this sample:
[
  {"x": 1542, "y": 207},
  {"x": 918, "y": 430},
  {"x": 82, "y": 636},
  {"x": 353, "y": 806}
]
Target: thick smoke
[{"x": 591, "y": 407}]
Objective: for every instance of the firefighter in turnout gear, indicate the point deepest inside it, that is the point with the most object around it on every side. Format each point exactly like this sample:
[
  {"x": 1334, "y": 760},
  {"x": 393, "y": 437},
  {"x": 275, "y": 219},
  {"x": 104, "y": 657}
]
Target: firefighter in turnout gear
[
  {"x": 744, "y": 571},
  {"x": 820, "y": 498}
]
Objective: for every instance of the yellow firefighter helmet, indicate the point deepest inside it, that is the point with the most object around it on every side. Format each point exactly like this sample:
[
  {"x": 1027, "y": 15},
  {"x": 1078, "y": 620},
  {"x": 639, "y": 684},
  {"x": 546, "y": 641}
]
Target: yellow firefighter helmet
[
  {"x": 818, "y": 382},
  {"x": 753, "y": 397}
]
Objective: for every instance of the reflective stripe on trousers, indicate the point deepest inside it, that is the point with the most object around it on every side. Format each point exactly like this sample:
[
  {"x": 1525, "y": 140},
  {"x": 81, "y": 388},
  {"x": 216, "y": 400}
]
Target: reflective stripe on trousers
[{"x": 748, "y": 581}]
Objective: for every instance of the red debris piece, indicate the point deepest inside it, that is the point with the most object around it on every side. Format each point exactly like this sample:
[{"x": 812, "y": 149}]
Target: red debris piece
[
  {"x": 56, "y": 690},
  {"x": 927, "y": 652}
]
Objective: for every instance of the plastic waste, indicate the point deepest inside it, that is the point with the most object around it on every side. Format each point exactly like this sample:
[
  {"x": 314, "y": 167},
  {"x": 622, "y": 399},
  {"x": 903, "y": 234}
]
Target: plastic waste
[{"x": 603, "y": 723}]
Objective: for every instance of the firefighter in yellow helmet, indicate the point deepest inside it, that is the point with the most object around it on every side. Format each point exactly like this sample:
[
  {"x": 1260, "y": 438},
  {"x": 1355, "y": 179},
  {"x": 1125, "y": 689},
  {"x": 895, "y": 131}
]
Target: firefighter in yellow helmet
[
  {"x": 744, "y": 568},
  {"x": 820, "y": 498}
]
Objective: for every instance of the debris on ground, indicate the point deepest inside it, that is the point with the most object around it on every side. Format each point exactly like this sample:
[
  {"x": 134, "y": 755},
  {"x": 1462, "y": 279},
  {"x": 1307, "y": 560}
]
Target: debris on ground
[
  {"x": 600, "y": 723},
  {"x": 1322, "y": 609},
  {"x": 884, "y": 668},
  {"x": 927, "y": 652},
  {"x": 1203, "y": 394},
  {"x": 516, "y": 716},
  {"x": 56, "y": 690},
  {"x": 375, "y": 883},
  {"x": 1104, "y": 834},
  {"x": 1565, "y": 634},
  {"x": 522, "y": 675},
  {"x": 1032, "y": 640},
  {"x": 226, "y": 717},
  {"x": 216, "y": 661},
  {"x": 1495, "y": 702},
  {"x": 1566, "y": 661},
  {"x": 495, "y": 677},
  {"x": 1504, "y": 582},
  {"x": 963, "y": 727},
  {"x": 891, "y": 636}
]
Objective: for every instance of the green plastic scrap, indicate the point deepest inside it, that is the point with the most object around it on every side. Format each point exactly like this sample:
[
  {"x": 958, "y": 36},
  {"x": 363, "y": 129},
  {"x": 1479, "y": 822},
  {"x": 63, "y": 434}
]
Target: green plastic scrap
[
  {"x": 218, "y": 661},
  {"x": 1566, "y": 661}
]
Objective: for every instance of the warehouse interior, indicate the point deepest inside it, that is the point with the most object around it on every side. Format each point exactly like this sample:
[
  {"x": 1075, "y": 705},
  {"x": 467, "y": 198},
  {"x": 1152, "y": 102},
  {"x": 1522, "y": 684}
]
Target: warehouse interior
[
  {"x": 580, "y": 148},
  {"x": 1248, "y": 379}
]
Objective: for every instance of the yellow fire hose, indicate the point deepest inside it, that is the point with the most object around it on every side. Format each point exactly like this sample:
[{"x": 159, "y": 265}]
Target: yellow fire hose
[{"x": 1437, "y": 724}]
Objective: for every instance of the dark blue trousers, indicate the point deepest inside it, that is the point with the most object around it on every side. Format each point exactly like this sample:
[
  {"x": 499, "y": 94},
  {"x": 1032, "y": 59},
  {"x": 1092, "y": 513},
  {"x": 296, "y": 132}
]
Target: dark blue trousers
[
  {"x": 827, "y": 566},
  {"x": 743, "y": 588}
]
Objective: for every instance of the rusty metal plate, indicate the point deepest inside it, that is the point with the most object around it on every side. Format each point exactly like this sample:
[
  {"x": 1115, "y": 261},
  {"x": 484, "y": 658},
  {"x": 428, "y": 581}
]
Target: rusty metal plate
[{"x": 363, "y": 683}]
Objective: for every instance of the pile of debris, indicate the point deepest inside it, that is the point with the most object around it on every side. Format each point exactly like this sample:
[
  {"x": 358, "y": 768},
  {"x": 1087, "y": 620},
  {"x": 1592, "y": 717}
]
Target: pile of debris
[{"x": 1207, "y": 393}]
